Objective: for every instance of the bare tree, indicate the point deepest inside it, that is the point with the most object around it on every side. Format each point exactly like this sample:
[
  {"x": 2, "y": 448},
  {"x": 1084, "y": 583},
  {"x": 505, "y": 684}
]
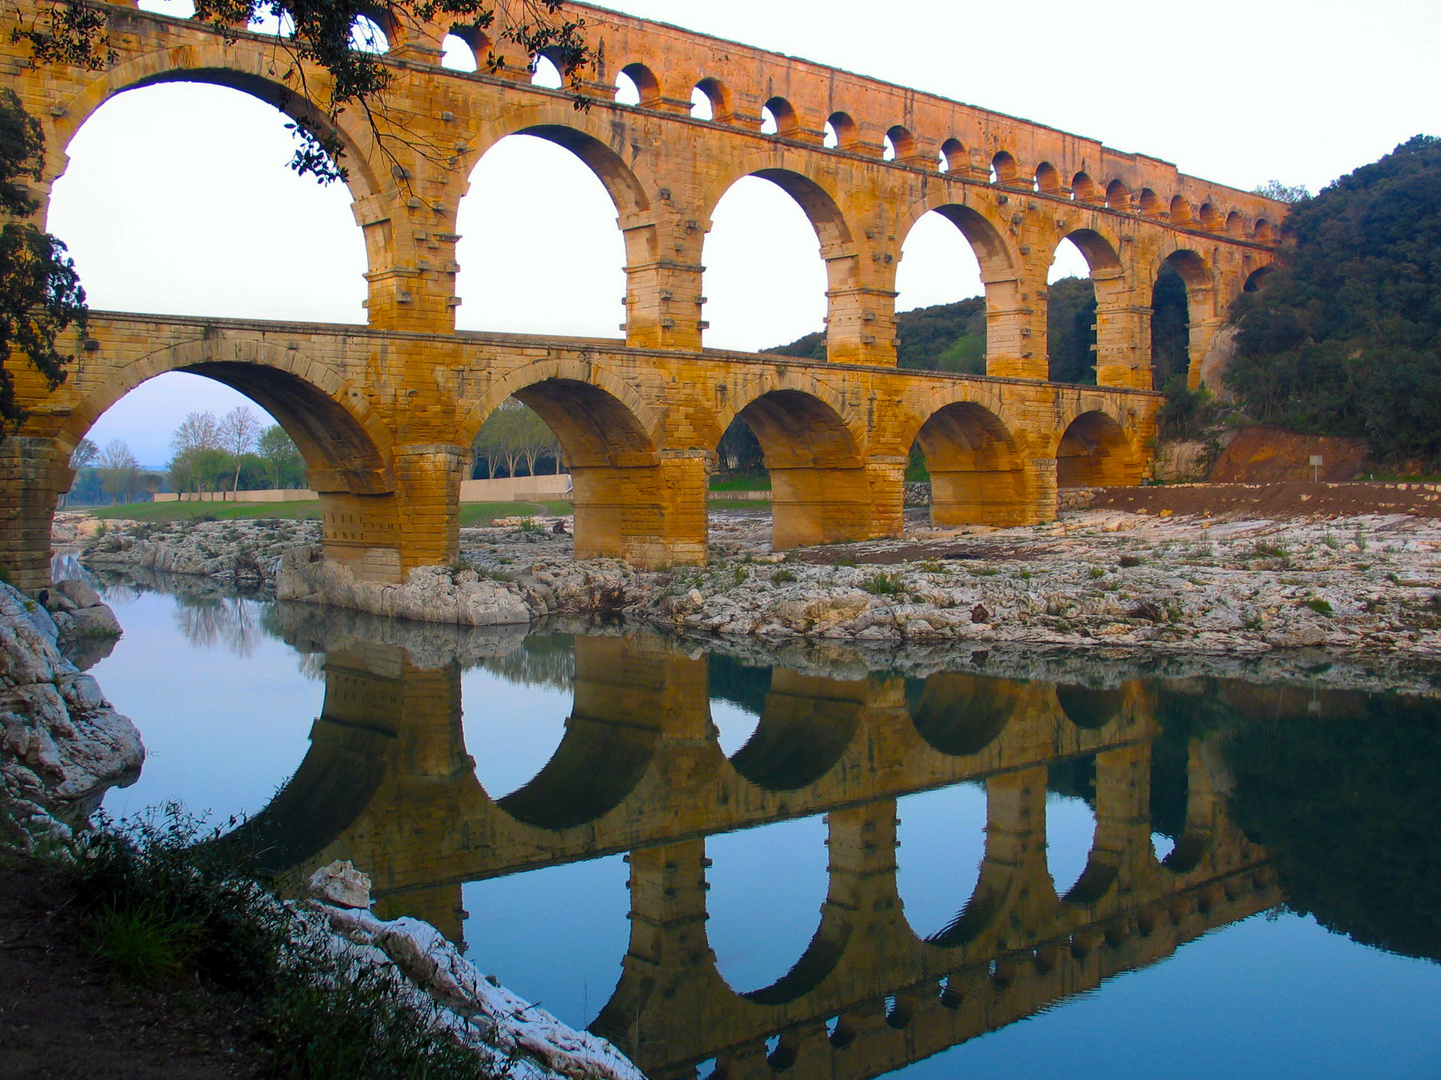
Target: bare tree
[
  {"x": 198, "y": 431},
  {"x": 119, "y": 471},
  {"x": 239, "y": 428},
  {"x": 84, "y": 454}
]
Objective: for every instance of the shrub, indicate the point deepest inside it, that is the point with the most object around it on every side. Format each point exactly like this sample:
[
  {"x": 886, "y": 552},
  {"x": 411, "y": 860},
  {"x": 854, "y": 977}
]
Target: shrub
[{"x": 883, "y": 584}]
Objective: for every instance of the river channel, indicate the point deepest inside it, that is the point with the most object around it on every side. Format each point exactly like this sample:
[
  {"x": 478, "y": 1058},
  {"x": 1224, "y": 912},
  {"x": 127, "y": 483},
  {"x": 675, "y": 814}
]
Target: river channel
[{"x": 736, "y": 869}]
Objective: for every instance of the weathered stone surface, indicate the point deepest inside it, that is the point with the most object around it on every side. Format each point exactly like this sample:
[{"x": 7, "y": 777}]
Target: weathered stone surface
[
  {"x": 521, "y": 1039},
  {"x": 429, "y": 593},
  {"x": 61, "y": 743},
  {"x": 340, "y": 884}
]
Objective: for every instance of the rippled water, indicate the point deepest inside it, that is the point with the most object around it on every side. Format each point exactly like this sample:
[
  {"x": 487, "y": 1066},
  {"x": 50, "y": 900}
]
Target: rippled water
[{"x": 739, "y": 870}]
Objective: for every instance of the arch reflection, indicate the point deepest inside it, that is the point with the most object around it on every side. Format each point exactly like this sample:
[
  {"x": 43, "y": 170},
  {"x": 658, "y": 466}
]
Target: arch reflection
[{"x": 389, "y": 784}]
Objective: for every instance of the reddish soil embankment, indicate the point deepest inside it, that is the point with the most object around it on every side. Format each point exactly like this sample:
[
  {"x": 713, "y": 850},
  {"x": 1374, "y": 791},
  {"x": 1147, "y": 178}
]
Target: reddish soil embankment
[
  {"x": 1266, "y": 455},
  {"x": 1276, "y": 501}
]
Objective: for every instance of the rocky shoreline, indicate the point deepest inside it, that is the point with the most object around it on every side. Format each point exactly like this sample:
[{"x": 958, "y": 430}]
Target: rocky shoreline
[{"x": 1167, "y": 584}]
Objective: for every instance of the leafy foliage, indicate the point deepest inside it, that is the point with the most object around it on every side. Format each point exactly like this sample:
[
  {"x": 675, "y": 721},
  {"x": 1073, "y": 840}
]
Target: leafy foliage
[
  {"x": 1186, "y": 412},
  {"x": 512, "y": 434},
  {"x": 1351, "y": 808},
  {"x": 40, "y": 293},
  {"x": 1070, "y": 318},
  {"x": 1344, "y": 337},
  {"x": 952, "y": 337},
  {"x": 1170, "y": 332},
  {"x": 1286, "y": 193},
  {"x": 167, "y": 900}
]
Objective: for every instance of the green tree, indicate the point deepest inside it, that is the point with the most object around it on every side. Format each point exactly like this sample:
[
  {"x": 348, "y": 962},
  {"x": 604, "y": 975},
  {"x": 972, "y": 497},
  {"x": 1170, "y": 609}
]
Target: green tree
[
  {"x": 283, "y": 464},
  {"x": 1344, "y": 336},
  {"x": 120, "y": 475},
  {"x": 1070, "y": 330},
  {"x": 40, "y": 293},
  {"x": 1286, "y": 193},
  {"x": 1170, "y": 330}
]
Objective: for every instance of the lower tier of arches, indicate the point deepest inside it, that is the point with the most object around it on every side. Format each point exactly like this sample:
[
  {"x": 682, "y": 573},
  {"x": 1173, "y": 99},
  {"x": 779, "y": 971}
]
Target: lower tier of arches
[{"x": 385, "y": 423}]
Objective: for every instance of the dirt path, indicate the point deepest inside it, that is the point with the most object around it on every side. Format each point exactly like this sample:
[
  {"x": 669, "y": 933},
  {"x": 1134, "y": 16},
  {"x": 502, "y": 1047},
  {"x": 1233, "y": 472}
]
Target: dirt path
[
  {"x": 1278, "y": 502},
  {"x": 61, "y": 1018}
]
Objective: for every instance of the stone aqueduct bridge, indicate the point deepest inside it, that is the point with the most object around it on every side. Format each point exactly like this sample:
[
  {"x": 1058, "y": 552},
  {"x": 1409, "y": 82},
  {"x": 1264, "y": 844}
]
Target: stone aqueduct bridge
[
  {"x": 384, "y": 416},
  {"x": 388, "y": 783}
]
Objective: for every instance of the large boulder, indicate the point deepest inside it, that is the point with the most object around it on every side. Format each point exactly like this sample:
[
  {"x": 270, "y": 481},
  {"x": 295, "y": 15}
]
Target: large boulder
[
  {"x": 62, "y": 745},
  {"x": 428, "y": 594}
]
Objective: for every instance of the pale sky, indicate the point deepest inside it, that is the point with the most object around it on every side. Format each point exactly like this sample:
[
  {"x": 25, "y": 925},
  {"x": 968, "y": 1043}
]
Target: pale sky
[{"x": 177, "y": 200}]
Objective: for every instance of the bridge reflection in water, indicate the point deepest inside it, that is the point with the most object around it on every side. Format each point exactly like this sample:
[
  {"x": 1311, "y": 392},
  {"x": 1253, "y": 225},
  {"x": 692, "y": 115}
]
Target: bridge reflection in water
[{"x": 388, "y": 784}]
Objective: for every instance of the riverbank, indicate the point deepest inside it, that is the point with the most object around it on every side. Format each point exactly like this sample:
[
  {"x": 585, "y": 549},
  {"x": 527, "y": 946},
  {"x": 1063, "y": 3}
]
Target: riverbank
[
  {"x": 109, "y": 931},
  {"x": 1163, "y": 583}
]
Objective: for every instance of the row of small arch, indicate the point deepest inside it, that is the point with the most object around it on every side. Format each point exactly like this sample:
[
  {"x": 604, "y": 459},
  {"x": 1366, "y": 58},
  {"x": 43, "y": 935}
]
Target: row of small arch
[
  {"x": 998, "y": 975},
  {"x": 712, "y": 100}
]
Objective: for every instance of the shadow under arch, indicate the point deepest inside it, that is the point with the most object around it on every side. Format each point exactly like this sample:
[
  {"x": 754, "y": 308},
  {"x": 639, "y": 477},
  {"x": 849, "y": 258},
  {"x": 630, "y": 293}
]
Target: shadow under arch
[
  {"x": 978, "y": 472},
  {"x": 960, "y": 714},
  {"x": 335, "y": 783},
  {"x": 598, "y": 763},
  {"x": 610, "y": 442},
  {"x": 1094, "y": 451},
  {"x": 344, "y": 447},
  {"x": 821, "y": 957},
  {"x": 819, "y": 490},
  {"x": 806, "y": 725},
  {"x": 1089, "y": 708}
]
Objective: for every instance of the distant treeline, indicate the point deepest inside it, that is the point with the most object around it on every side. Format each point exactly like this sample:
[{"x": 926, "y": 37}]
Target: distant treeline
[{"x": 208, "y": 453}]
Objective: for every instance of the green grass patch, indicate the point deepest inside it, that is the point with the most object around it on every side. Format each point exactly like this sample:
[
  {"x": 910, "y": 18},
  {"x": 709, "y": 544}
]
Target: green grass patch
[
  {"x": 479, "y": 515},
  {"x": 308, "y": 510},
  {"x": 740, "y": 483},
  {"x": 1316, "y": 604},
  {"x": 740, "y": 506}
]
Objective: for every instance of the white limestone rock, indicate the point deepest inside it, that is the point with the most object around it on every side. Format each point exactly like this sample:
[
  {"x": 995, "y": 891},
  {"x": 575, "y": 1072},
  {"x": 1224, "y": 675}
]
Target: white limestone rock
[
  {"x": 429, "y": 593},
  {"x": 341, "y": 884},
  {"x": 62, "y": 745}
]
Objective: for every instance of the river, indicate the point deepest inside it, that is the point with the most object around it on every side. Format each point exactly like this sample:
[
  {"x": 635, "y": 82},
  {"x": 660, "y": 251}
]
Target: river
[{"x": 733, "y": 868}]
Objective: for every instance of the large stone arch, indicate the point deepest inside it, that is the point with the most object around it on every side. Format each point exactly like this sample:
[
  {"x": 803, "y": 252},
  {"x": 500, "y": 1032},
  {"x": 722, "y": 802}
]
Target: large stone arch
[
  {"x": 814, "y": 192},
  {"x": 814, "y": 446},
  {"x": 598, "y": 417},
  {"x": 632, "y": 499},
  {"x": 242, "y": 66},
  {"x": 345, "y": 446},
  {"x": 598, "y": 763},
  {"x": 1093, "y": 448},
  {"x": 978, "y": 462},
  {"x": 979, "y": 224},
  {"x": 806, "y": 725},
  {"x": 1197, "y": 271},
  {"x": 599, "y": 144}
]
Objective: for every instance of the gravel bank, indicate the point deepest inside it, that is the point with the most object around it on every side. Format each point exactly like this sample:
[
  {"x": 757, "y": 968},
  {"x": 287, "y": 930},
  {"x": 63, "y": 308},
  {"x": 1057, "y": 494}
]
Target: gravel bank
[{"x": 1173, "y": 583}]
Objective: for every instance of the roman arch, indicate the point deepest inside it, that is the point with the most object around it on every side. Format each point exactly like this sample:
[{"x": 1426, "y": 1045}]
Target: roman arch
[{"x": 407, "y": 391}]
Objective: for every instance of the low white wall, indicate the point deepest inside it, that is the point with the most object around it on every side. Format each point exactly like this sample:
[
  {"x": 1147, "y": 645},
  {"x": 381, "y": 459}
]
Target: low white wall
[
  {"x": 516, "y": 489},
  {"x": 506, "y": 489},
  {"x": 273, "y": 495}
]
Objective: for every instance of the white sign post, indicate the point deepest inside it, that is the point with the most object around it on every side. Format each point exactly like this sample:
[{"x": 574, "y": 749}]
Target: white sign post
[{"x": 1316, "y": 464}]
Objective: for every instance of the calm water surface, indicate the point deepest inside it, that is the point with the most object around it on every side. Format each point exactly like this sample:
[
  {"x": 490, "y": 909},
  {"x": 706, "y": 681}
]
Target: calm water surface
[{"x": 745, "y": 871}]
